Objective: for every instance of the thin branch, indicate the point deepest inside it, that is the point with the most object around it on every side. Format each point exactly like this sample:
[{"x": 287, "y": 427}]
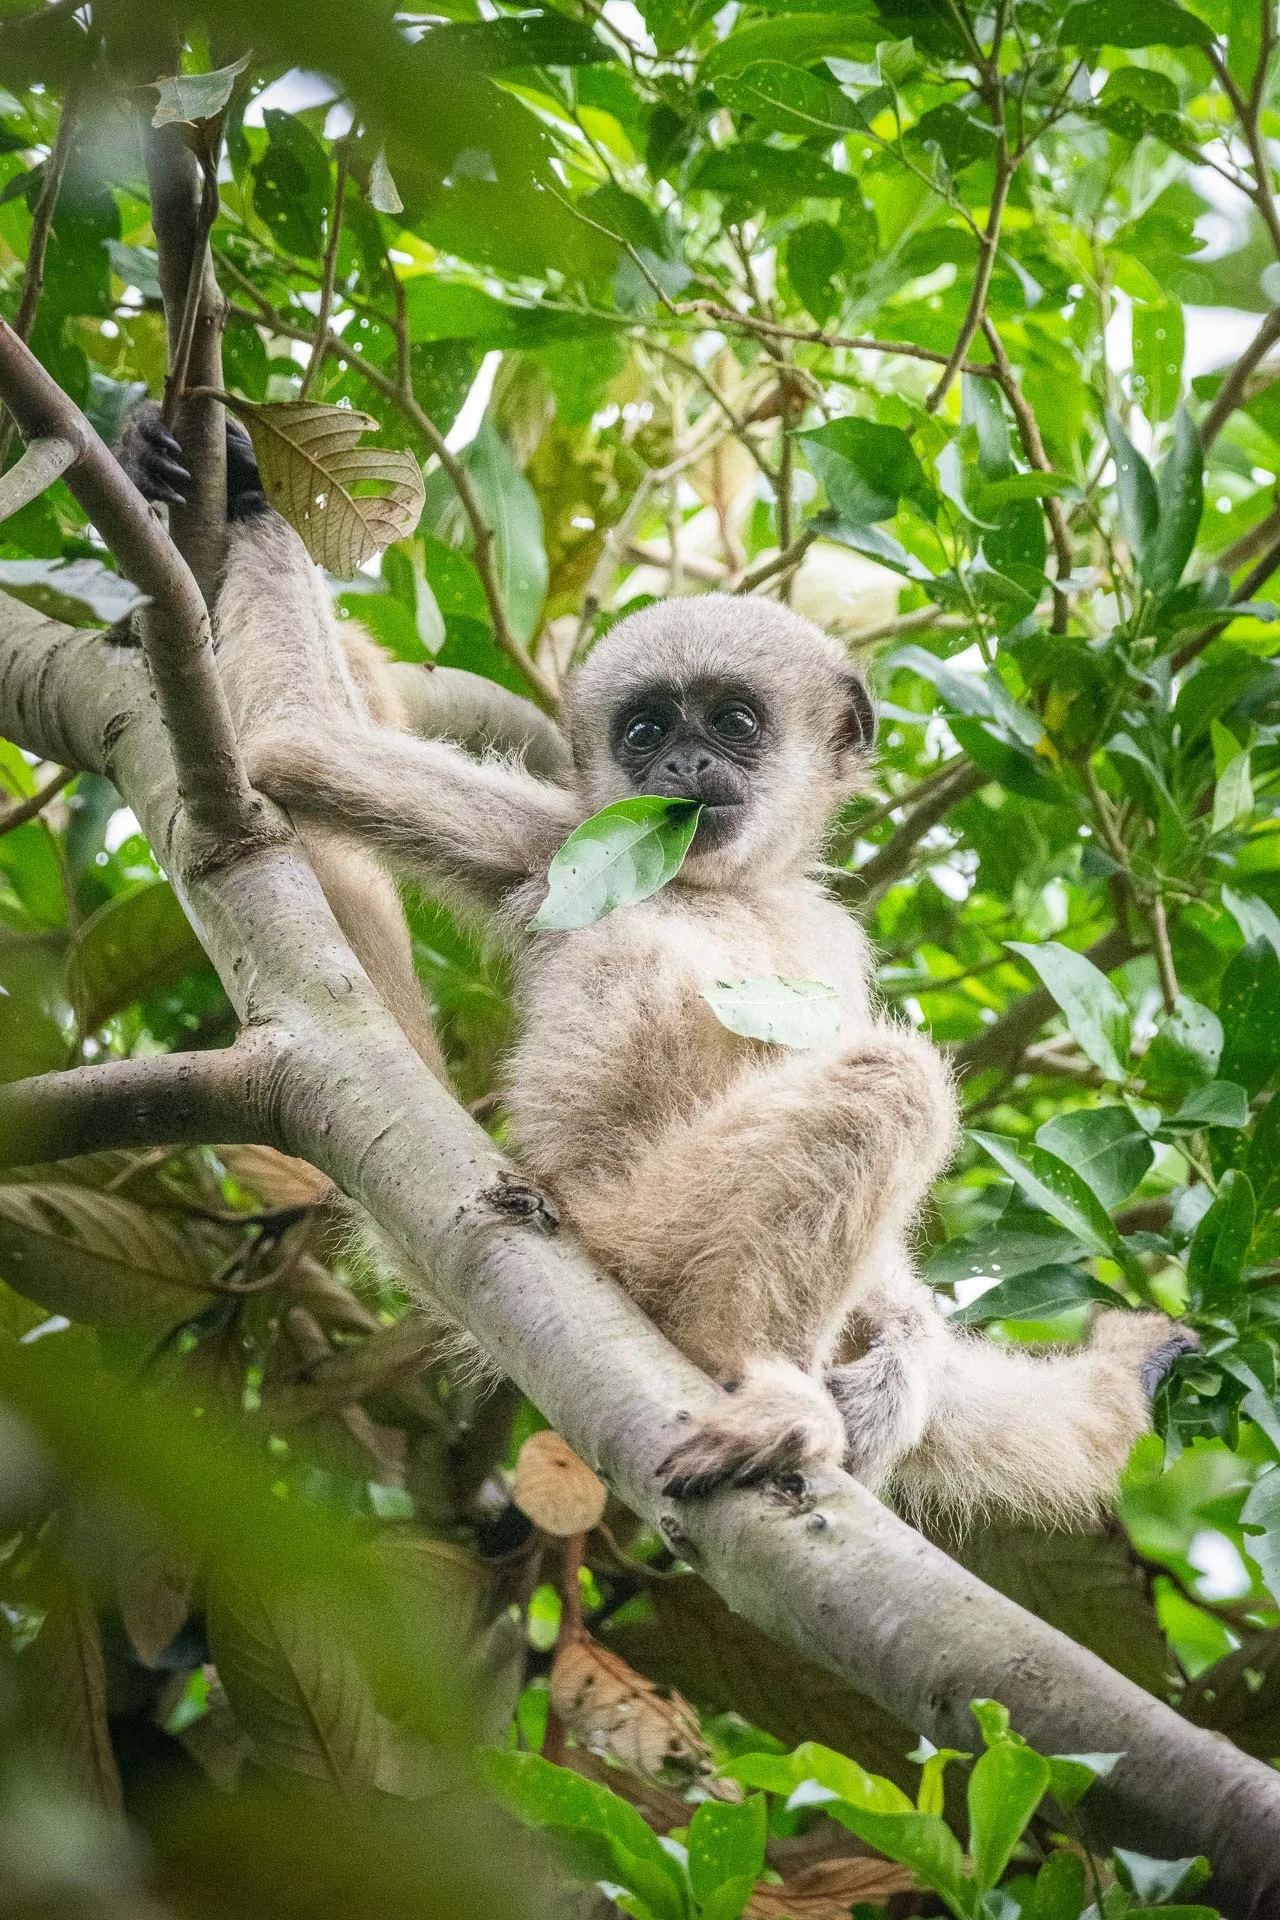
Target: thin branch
[
  {"x": 987, "y": 251},
  {"x": 55, "y": 168},
  {"x": 1235, "y": 386},
  {"x": 330, "y": 268},
  {"x": 40, "y": 464},
  {"x": 1164, "y": 954},
  {"x": 1037, "y": 456},
  {"x": 175, "y": 386},
  {"x": 893, "y": 859},
  {"x": 220, "y": 804},
  {"x": 24, "y": 810},
  {"x": 784, "y": 562},
  {"x": 816, "y": 336}
]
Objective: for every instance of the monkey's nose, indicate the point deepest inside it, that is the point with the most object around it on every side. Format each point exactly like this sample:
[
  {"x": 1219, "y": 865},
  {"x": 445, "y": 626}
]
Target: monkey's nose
[{"x": 687, "y": 766}]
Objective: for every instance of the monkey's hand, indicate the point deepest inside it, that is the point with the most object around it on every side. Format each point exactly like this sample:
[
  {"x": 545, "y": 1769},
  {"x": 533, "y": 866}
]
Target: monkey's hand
[
  {"x": 778, "y": 1420},
  {"x": 154, "y": 461}
]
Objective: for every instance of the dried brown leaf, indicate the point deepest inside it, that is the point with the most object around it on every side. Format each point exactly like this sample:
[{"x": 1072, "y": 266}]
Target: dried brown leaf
[
  {"x": 555, "y": 1489},
  {"x": 311, "y": 467},
  {"x": 153, "y": 1591},
  {"x": 827, "y": 1891},
  {"x": 610, "y": 1708},
  {"x": 102, "y": 1260}
]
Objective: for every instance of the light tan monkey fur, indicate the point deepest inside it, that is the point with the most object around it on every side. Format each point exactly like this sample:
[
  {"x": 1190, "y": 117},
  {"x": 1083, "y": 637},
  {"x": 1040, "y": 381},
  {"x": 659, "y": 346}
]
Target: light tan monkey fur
[{"x": 758, "y": 1202}]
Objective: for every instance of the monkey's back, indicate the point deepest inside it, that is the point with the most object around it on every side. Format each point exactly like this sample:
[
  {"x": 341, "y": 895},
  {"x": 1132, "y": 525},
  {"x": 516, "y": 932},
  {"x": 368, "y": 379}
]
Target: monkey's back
[{"x": 616, "y": 1037}]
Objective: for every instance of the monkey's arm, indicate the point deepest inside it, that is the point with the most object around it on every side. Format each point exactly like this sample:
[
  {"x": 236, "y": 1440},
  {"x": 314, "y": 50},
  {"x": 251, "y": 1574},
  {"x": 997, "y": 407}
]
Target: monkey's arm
[{"x": 475, "y": 828}]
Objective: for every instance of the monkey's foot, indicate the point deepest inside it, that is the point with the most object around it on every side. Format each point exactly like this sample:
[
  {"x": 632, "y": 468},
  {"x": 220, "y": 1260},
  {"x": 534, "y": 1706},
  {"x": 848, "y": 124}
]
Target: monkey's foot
[
  {"x": 1151, "y": 1341},
  {"x": 883, "y": 1403},
  {"x": 777, "y": 1421}
]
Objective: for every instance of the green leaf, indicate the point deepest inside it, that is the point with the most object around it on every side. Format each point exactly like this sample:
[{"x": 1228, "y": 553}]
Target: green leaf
[
  {"x": 1180, "y": 490},
  {"x": 1059, "y": 1890},
  {"x": 1132, "y": 23},
  {"x": 1059, "y": 1190},
  {"x": 1104, "y": 1145},
  {"x": 1136, "y": 493},
  {"x": 866, "y": 468},
  {"x": 1260, "y": 1518},
  {"x": 1072, "y": 1774},
  {"x": 726, "y": 1843},
  {"x": 620, "y": 855},
  {"x": 296, "y": 1687},
  {"x": 384, "y": 195},
  {"x": 1005, "y": 1788},
  {"x": 620, "y": 1846},
  {"x": 311, "y": 467},
  {"x": 1158, "y": 343},
  {"x": 514, "y": 516},
  {"x": 99, "y": 1258},
  {"x": 1220, "y": 1244},
  {"x": 814, "y": 255},
  {"x": 787, "y": 99},
  {"x": 1095, "y": 1013},
  {"x": 1255, "y": 919},
  {"x": 790, "y": 1013},
  {"x": 1155, "y": 1881},
  {"x": 189, "y": 98},
  {"x": 133, "y": 946},
  {"x": 1221, "y": 1104},
  {"x": 800, "y": 39},
  {"x": 1038, "y": 1295},
  {"x": 1186, "y": 1049},
  {"x": 1262, "y": 1162},
  {"x": 1249, "y": 1009}
]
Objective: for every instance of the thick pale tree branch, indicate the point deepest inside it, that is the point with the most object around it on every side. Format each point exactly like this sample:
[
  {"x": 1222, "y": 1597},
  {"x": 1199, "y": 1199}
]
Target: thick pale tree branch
[
  {"x": 831, "y": 1573},
  {"x": 43, "y": 462}
]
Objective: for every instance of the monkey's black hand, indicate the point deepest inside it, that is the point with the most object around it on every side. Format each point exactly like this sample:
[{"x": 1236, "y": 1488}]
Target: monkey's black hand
[
  {"x": 245, "y": 497},
  {"x": 152, "y": 458}
]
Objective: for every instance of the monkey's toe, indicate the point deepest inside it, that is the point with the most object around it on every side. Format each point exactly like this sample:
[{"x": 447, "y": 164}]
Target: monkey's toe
[
  {"x": 720, "y": 1457},
  {"x": 1158, "y": 1364}
]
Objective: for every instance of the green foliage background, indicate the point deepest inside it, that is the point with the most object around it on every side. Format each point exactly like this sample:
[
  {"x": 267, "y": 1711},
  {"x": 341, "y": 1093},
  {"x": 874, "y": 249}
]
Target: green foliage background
[{"x": 964, "y": 313}]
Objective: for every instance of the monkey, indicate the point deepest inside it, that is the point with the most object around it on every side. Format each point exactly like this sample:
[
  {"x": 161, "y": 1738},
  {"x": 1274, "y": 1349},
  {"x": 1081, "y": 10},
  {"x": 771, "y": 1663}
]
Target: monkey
[{"x": 757, "y": 1201}]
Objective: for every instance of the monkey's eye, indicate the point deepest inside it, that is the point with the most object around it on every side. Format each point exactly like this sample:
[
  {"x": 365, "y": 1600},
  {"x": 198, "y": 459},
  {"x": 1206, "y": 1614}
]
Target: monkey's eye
[
  {"x": 643, "y": 733},
  {"x": 734, "y": 721}
]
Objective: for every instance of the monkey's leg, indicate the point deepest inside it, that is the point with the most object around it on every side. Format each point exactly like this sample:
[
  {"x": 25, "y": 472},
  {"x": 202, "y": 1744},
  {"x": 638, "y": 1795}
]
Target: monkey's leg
[
  {"x": 742, "y": 1225},
  {"x": 1042, "y": 1438}
]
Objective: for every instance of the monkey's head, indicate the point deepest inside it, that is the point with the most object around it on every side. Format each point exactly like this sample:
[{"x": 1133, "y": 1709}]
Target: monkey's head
[{"x": 737, "y": 703}]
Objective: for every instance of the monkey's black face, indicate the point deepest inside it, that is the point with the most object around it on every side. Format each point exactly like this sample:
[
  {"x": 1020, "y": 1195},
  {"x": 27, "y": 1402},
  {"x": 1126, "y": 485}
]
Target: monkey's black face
[{"x": 699, "y": 742}]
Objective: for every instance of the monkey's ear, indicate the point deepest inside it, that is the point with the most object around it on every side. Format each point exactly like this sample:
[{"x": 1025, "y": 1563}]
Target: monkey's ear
[{"x": 856, "y": 731}]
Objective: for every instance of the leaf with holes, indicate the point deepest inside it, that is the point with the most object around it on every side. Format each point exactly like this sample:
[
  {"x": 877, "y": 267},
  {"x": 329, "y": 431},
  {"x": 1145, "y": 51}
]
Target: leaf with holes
[{"x": 311, "y": 468}]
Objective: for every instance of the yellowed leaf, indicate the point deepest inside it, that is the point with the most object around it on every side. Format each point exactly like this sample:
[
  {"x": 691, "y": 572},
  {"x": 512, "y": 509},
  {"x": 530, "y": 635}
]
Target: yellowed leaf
[
  {"x": 311, "y": 467},
  {"x": 555, "y": 1489},
  {"x": 275, "y": 1177}
]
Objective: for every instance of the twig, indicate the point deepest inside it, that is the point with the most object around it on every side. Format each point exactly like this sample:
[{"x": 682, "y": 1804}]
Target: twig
[
  {"x": 1235, "y": 386},
  {"x": 55, "y": 168},
  {"x": 1163, "y": 953},
  {"x": 1034, "y": 448},
  {"x": 892, "y": 860},
  {"x": 175, "y": 385},
  {"x": 988, "y": 248},
  {"x": 816, "y": 336},
  {"x": 330, "y": 269},
  {"x": 24, "y": 810},
  {"x": 784, "y": 562},
  {"x": 40, "y": 464},
  {"x": 221, "y": 806}
]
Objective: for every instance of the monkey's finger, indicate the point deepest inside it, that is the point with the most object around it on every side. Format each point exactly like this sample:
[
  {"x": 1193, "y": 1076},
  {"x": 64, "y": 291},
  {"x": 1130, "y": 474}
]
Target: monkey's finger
[
  {"x": 167, "y": 472},
  {"x": 159, "y": 438},
  {"x": 1157, "y": 1366}
]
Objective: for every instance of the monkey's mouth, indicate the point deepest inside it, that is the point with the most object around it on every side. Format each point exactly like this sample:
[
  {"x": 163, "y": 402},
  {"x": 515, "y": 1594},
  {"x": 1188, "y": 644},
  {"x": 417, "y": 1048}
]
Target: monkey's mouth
[{"x": 718, "y": 823}]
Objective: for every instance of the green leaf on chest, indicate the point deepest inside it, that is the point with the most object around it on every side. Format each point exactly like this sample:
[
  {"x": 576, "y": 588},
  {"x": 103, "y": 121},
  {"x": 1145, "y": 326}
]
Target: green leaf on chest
[
  {"x": 620, "y": 855},
  {"x": 790, "y": 1013}
]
